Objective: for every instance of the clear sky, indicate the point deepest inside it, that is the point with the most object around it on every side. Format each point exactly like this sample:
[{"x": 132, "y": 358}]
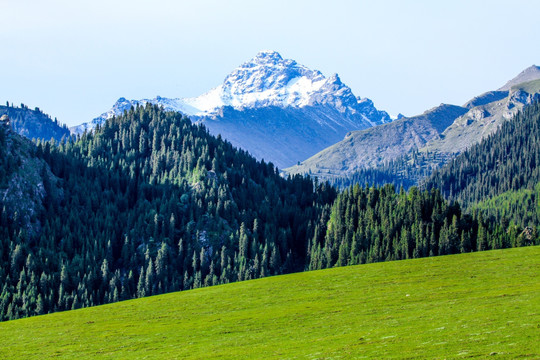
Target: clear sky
[{"x": 74, "y": 59}]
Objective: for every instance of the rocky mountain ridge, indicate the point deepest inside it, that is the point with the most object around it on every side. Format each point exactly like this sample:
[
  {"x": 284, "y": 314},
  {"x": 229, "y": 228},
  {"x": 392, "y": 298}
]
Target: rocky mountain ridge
[{"x": 445, "y": 131}]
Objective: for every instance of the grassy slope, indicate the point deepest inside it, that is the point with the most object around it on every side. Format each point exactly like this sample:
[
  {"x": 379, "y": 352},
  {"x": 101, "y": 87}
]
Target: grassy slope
[{"x": 459, "y": 306}]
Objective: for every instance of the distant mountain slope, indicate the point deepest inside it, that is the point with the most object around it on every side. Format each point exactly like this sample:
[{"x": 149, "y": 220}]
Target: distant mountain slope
[
  {"x": 281, "y": 135},
  {"x": 508, "y": 160},
  {"x": 377, "y": 145},
  {"x": 34, "y": 124},
  {"x": 529, "y": 74},
  {"x": 456, "y": 131},
  {"x": 486, "y": 115},
  {"x": 272, "y": 107}
]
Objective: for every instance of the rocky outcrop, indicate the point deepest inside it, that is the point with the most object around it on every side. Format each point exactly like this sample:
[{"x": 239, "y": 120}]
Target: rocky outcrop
[{"x": 26, "y": 181}]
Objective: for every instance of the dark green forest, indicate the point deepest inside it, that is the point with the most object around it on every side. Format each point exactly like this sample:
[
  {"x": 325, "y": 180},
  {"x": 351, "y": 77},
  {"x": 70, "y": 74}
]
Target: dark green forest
[
  {"x": 151, "y": 203},
  {"x": 497, "y": 181},
  {"x": 373, "y": 224}
]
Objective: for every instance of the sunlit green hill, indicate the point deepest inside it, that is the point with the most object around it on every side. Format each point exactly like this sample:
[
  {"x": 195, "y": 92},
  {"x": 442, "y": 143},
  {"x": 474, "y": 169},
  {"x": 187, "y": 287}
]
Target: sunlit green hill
[{"x": 476, "y": 305}]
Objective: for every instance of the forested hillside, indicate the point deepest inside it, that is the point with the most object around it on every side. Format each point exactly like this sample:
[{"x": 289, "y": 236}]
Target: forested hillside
[
  {"x": 378, "y": 224},
  {"x": 520, "y": 207},
  {"x": 151, "y": 203},
  {"x": 497, "y": 180}
]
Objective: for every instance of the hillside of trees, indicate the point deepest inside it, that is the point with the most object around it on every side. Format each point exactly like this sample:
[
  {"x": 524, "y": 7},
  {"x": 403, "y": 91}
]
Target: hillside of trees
[
  {"x": 497, "y": 180},
  {"x": 520, "y": 207},
  {"x": 373, "y": 224},
  {"x": 151, "y": 203},
  {"x": 34, "y": 123}
]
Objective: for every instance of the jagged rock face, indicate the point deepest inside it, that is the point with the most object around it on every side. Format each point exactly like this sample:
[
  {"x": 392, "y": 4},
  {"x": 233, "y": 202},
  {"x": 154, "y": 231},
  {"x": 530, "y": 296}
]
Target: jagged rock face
[
  {"x": 25, "y": 182},
  {"x": 484, "y": 117},
  {"x": 521, "y": 97},
  {"x": 267, "y": 80},
  {"x": 478, "y": 114},
  {"x": 268, "y": 93}
]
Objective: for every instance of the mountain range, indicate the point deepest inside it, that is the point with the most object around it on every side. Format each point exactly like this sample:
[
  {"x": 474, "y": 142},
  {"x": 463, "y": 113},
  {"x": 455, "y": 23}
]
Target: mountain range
[
  {"x": 275, "y": 108},
  {"x": 445, "y": 130},
  {"x": 300, "y": 120}
]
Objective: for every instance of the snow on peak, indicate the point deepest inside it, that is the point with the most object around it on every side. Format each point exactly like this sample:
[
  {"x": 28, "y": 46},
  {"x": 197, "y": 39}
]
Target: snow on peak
[
  {"x": 266, "y": 80},
  {"x": 270, "y": 80}
]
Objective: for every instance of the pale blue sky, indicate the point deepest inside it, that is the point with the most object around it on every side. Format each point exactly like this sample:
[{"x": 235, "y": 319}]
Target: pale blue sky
[{"x": 74, "y": 59}]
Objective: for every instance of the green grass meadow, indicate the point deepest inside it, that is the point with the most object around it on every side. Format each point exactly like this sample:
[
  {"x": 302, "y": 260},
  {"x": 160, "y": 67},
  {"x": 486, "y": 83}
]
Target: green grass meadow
[{"x": 478, "y": 305}]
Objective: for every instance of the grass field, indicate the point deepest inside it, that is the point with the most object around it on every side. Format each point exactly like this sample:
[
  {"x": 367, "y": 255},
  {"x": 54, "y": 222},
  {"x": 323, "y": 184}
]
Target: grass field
[{"x": 475, "y": 305}]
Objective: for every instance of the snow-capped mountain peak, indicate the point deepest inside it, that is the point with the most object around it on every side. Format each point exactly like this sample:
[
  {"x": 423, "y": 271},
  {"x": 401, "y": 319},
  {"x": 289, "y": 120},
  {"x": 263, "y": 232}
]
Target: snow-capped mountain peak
[
  {"x": 275, "y": 108},
  {"x": 266, "y": 80},
  {"x": 270, "y": 80}
]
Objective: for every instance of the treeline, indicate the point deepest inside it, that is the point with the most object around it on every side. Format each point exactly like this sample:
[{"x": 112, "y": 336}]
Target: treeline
[{"x": 370, "y": 224}]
